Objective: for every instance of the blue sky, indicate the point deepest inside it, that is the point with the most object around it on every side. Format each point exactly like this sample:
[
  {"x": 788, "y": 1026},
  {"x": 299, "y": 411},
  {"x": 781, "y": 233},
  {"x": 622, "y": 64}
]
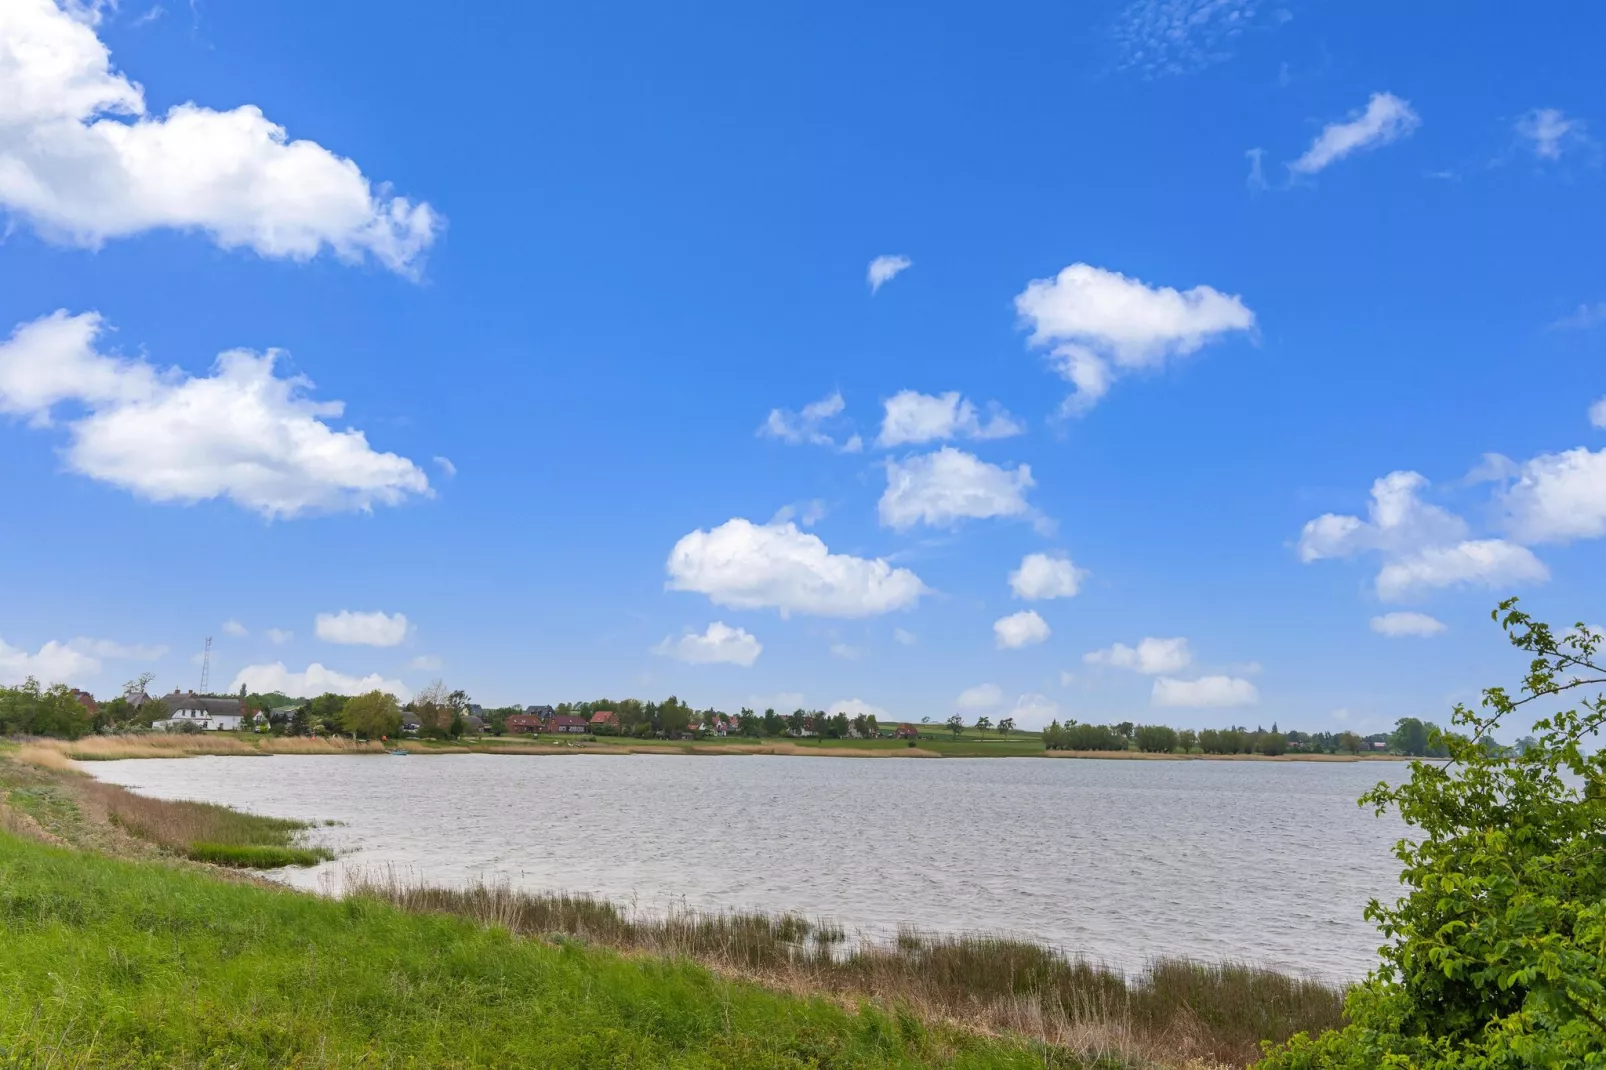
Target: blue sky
[{"x": 1200, "y": 273}]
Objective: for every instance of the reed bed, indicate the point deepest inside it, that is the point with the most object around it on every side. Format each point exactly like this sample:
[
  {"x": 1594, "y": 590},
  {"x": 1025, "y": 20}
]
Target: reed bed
[
  {"x": 204, "y": 832},
  {"x": 1172, "y": 1013},
  {"x": 58, "y": 753}
]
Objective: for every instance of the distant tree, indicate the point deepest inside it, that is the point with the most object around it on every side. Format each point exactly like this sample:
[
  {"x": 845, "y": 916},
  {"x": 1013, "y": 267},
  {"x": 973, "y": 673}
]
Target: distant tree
[
  {"x": 139, "y": 684},
  {"x": 673, "y": 717},
  {"x": 1351, "y": 742},
  {"x": 794, "y": 722},
  {"x": 956, "y": 725},
  {"x": 983, "y": 723},
  {"x": 29, "y": 709},
  {"x": 774, "y": 723},
  {"x": 749, "y": 723},
  {"x": 1187, "y": 739},
  {"x": 327, "y": 710},
  {"x": 860, "y": 726},
  {"x": 1125, "y": 730},
  {"x": 871, "y": 729},
  {"x": 925, "y": 720},
  {"x": 438, "y": 717},
  {"x": 1156, "y": 739},
  {"x": 1006, "y": 726},
  {"x": 837, "y": 726},
  {"x": 1410, "y": 736},
  {"x": 301, "y": 721},
  {"x": 373, "y": 715}
]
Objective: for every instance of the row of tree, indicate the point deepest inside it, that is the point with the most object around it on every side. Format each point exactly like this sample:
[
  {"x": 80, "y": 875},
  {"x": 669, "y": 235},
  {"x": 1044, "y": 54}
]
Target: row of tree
[{"x": 1411, "y": 736}]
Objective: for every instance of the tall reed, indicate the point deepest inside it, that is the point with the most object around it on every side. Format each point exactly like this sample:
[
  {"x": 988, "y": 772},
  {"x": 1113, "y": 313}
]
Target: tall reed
[{"x": 1171, "y": 1012}]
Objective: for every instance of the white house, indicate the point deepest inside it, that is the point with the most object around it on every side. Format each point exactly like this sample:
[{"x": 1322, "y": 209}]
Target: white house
[{"x": 206, "y": 712}]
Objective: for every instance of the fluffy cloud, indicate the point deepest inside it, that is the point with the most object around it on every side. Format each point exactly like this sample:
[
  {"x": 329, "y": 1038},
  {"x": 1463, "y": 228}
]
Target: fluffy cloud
[
  {"x": 1207, "y": 691},
  {"x": 83, "y": 161},
  {"x": 757, "y": 566},
  {"x": 55, "y": 663},
  {"x": 1042, "y": 576},
  {"x": 1151, "y": 656},
  {"x": 1493, "y": 563},
  {"x": 235, "y": 628},
  {"x": 1033, "y": 711},
  {"x": 1025, "y": 628},
  {"x": 1423, "y": 546},
  {"x": 913, "y": 418},
  {"x": 950, "y": 485},
  {"x": 853, "y": 707},
  {"x": 361, "y": 629},
  {"x": 1548, "y": 133},
  {"x": 883, "y": 269},
  {"x": 808, "y": 427},
  {"x": 720, "y": 644},
  {"x": 317, "y": 680},
  {"x": 1099, "y": 325},
  {"x": 1386, "y": 118},
  {"x": 242, "y": 433},
  {"x": 1395, "y": 625},
  {"x": 980, "y": 697},
  {"x": 1558, "y": 497}
]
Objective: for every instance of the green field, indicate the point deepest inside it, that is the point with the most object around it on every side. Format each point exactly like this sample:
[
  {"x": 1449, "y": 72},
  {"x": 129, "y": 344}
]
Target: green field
[{"x": 143, "y": 964}]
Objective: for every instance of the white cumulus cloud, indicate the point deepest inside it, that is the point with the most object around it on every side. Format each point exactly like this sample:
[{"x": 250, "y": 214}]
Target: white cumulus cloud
[
  {"x": 775, "y": 566},
  {"x": 1034, "y": 711},
  {"x": 1099, "y": 325},
  {"x": 1044, "y": 576},
  {"x": 361, "y": 629},
  {"x": 809, "y": 425},
  {"x": 54, "y": 663},
  {"x": 914, "y": 418},
  {"x": 1423, "y": 546},
  {"x": 235, "y": 628},
  {"x": 1386, "y": 118},
  {"x": 1025, "y": 628},
  {"x": 1395, "y": 625},
  {"x": 854, "y": 706},
  {"x": 1548, "y": 133},
  {"x": 84, "y": 161},
  {"x": 883, "y": 269},
  {"x": 1207, "y": 691},
  {"x": 1558, "y": 497},
  {"x": 719, "y": 644},
  {"x": 317, "y": 680},
  {"x": 980, "y": 697},
  {"x": 242, "y": 433},
  {"x": 1151, "y": 656},
  {"x": 942, "y": 488}
]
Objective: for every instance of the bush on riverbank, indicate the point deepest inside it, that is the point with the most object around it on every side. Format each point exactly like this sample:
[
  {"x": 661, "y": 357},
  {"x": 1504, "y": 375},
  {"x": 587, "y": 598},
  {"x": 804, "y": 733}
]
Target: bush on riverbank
[
  {"x": 1498, "y": 949},
  {"x": 111, "y": 963}
]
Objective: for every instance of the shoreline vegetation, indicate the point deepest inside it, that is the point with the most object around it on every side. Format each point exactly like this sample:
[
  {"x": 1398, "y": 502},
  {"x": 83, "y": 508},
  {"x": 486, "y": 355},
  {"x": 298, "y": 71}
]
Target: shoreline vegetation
[
  {"x": 129, "y": 875},
  {"x": 59, "y": 753}
]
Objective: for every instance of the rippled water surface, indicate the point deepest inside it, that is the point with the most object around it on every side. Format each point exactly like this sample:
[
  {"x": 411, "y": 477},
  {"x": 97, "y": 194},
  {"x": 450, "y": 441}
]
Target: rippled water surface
[{"x": 1122, "y": 860}]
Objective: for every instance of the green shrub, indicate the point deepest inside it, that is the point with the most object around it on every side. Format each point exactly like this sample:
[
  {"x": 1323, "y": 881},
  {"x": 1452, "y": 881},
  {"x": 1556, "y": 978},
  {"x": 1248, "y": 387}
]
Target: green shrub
[
  {"x": 247, "y": 857},
  {"x": 1497, "y": 953}
]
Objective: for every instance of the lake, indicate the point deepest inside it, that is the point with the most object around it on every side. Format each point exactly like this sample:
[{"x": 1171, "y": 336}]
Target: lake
[{"x": 1264, "y": 862}]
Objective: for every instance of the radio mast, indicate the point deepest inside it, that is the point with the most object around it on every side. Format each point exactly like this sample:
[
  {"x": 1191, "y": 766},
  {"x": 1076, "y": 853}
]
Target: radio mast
[{"x": 206, "y": 666}]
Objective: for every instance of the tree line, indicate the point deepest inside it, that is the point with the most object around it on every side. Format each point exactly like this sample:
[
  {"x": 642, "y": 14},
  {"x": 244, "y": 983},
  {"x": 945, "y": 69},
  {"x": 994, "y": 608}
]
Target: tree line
[{"x": 1411, "y": 736}]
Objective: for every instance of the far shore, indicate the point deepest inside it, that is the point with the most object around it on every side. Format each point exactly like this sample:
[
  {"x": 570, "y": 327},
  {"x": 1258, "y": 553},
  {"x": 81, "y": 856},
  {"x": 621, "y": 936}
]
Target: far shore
[{"x": 55, "y": 753}]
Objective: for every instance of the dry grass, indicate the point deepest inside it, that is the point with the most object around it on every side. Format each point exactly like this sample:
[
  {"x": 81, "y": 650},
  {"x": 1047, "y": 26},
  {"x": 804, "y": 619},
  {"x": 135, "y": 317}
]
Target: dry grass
[
  {"x": 1174, "y": 1013},
  {"x": 21, "y": 824},
  {"x": 202, "y": 831},
  {"x": 56, "y": 753}
]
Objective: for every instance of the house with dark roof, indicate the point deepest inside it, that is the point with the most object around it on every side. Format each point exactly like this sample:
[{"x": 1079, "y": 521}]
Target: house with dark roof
[
  {"x": 524, "y": 724},
  {"x": 566, "y": 725},
  {"x": 208, "y": 713}
]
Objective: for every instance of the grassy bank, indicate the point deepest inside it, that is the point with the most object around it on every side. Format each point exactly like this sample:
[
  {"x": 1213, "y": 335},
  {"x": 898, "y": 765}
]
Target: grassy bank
[
  {"x": 123, "y": 964},
  {"x": 1173, "y": 1012}
]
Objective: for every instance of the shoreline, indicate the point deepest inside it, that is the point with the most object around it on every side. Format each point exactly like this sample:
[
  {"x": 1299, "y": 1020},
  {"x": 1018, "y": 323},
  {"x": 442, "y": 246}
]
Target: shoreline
[
  {"x": 991, "y": 987},
  {"x": 56, "y": 754}
]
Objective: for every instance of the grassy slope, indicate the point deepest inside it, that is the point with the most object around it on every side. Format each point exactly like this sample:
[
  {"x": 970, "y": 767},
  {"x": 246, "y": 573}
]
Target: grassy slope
[{"x": 115, "y": 963}]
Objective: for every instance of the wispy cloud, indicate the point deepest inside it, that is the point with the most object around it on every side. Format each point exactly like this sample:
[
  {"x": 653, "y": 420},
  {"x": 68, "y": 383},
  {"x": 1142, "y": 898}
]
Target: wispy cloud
[
  {"x": 1157, "y": 38},
  {"x": 883, "y": 269},
  {"x": 1387, "y": 118}
]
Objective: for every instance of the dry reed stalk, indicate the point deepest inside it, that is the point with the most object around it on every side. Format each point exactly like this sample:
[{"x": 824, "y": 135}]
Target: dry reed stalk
[
  {"x": 1170, "y": 1012},
  {"x": 45, "y": 756},
  {"x": 18, "y": 823}
]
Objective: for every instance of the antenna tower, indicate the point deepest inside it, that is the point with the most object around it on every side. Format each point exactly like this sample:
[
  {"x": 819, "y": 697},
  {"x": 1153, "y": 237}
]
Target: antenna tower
[{"x": 206, "y": 666}]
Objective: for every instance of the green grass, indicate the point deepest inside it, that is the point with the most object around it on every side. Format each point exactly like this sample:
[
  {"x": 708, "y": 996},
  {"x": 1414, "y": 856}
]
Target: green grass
[{"x": 124, "y": 964}]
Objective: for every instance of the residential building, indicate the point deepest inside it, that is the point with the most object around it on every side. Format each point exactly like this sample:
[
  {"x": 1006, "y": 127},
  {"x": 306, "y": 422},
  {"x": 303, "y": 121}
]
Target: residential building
[
  {"x": 566, "y": 725},
  {"x": 906, "y": 731},
  {"x": 206, "y": 712},
  {"x": 604, "y": 721},
  {"x": 524, "y": 724}
]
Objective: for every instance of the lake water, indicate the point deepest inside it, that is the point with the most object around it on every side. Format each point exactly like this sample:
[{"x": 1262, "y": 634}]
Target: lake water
[{"x": 1263, "y": 862}]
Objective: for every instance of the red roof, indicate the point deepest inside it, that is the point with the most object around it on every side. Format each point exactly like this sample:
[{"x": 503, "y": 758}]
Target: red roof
[{"x": 604, "y": 717}]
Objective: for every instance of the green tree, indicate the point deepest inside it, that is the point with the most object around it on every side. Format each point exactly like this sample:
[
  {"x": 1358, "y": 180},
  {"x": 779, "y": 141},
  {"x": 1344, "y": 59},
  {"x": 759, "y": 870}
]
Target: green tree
[
  {"x": 1187, "y": 739},
  {"x": 1006, "y": 726},
  {"x": 1351, "y": 742},
  {"x": 794, "y": 722},
  {"x": 871, "y": 729},
  {"x": 1496, "y": 955},
  {"x": 956, "y": 725},
  {"x": 673, "y": 717},
  {"x": 1125, "y": 730},
  {"x": 372, "y": 715},
  {"x": 1156, "y": 739},
  {"x": 983, "y": 723},
  {"x": 301, "y": 721},
  {"x": 1410, "y": 736},
  {"x": 774, "y": 724}
]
